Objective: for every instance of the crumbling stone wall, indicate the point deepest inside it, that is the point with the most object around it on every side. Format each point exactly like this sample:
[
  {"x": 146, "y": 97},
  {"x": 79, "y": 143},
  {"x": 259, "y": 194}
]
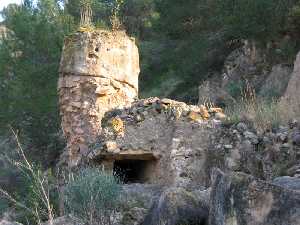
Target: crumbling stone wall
[
  {"x": 186, "y": 142},
  {"x": 98, "y": 72},
  {"x": 173, "y": 135}
]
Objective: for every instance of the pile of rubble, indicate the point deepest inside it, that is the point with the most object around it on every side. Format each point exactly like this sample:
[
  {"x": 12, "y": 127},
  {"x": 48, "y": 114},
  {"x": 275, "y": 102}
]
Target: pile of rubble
[{"x": 173, "y": 111}]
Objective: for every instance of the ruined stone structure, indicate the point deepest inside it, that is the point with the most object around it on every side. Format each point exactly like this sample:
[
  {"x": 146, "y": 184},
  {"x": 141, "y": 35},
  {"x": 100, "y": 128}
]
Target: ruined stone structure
[
  {"x": 98, "y": 72},
  {"x": 170, "y": 143},
  {"x": 162, "y": 142}
]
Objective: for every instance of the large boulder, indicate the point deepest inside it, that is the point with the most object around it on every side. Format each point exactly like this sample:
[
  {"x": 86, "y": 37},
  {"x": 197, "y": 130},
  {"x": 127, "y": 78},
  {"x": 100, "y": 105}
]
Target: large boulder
[
  {"x": 240, "y": 199},
  {"x": 135, "y": 202},
  {"x": 178, "y": 206}
]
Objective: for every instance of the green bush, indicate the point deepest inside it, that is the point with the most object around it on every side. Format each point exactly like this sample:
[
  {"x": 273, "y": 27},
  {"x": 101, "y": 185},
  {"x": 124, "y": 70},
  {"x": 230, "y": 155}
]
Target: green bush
[
  {"x": 293, "y": 23},
  {"x": 92, "y": 196},
  {"x": 4, "y": 206},
  {"x": 234, "y": 88}
]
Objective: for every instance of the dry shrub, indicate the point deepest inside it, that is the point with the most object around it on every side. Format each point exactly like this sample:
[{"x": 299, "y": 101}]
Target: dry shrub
[
  {"x": 115, "y": 15},
  {"x": 261, "y": 113},
  {"x": 86, "y": 13},
  {"x": 38, "y": 204}
]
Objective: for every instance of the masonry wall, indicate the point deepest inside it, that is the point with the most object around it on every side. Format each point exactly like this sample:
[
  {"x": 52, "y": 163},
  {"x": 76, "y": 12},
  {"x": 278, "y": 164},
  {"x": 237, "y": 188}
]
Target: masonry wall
[{"x": 98, "y": 72}]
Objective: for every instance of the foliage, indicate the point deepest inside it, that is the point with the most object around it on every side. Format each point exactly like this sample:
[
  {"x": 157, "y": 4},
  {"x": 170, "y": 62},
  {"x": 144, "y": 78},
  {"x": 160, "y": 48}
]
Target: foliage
[
  {"x": 35, "y": 203},
  {"x": 29, "y": 64},
  {"x": 138, "y": 18},
  {"x": 135, "y": 15},
  {"x": 200, "y": 34},
  {"x": 255, "y": 20},
  {"x": 92, "y": 196},
  {"x": 293, "y": 20}
]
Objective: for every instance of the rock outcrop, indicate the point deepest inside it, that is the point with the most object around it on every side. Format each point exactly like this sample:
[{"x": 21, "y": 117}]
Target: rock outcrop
[
  {"x": 245, "y": 62},
  {"x": 98, "y": 72},
  {"x": 245, "y": 67},
  {"x": 276, "y": 83},
  {"x": 290, "y": 99},
  {"x": 241, "y": 199}
]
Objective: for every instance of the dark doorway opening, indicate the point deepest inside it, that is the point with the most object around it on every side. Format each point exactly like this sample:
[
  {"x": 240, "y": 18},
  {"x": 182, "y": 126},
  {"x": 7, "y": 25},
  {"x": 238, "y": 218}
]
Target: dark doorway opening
[{"x": 133, "y": 171}]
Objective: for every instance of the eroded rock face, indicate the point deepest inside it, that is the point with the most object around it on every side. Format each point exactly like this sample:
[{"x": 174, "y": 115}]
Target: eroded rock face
[
  {"x": 240, "y": 199},
  {"x": 276, "y": 82},
  {"x": 244, "y": 63},
  {"x": 291, "y": 96},
  {"x": 98, "y": 72}
]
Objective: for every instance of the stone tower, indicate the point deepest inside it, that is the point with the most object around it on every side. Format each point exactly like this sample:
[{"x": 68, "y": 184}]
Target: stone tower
[{"x": 98, "y": 72}]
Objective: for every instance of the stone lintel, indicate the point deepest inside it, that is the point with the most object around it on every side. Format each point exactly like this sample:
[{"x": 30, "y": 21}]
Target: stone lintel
[{"x": 128, "y": 155}]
